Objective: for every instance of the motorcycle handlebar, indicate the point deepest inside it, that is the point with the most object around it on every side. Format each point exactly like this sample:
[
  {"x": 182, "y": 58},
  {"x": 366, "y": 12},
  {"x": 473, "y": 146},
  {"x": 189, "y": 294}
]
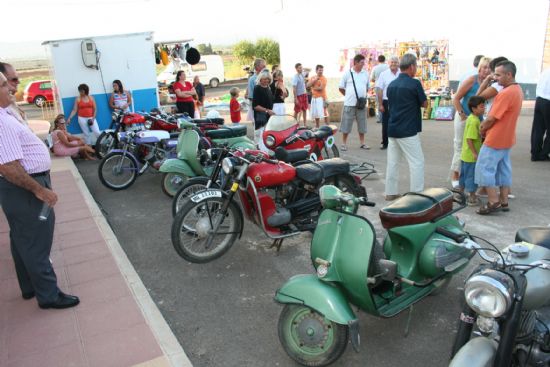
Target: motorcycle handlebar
[{"x": 366, "y": 202}]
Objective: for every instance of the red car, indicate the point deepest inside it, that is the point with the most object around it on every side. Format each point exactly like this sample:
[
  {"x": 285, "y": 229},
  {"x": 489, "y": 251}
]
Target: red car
[{"x": 39, "y": 92}]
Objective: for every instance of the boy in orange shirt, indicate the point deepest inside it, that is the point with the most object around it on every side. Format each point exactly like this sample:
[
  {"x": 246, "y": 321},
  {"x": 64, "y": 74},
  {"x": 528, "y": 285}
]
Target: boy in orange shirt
[{"x": 493, "y": 166}]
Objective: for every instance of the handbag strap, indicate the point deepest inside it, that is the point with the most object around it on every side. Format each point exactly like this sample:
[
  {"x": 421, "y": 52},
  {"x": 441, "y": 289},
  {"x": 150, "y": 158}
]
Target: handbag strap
[{"x": 353, "y": 80}]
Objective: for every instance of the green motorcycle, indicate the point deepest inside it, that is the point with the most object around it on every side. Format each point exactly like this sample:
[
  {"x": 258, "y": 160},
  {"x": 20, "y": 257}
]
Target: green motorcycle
[
  {"x": 191, "y": 160},
  {"x": 352, "y": 268}
]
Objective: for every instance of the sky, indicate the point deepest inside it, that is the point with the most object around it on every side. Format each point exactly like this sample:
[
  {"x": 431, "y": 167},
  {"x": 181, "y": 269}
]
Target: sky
[{"x": 206, "y": 21}]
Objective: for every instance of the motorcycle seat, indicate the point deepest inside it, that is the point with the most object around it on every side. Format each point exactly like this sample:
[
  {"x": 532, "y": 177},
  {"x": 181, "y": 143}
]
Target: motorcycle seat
[
  {"x": 227, "y": 132},
  {"x": 539, "y": 236},
  {"x": 217, "y": 121},
  {"x": 291, "y": 155},
  {"x": 415, "y": 208},
  {"x": 315, "y": 172},
  {"x": 334, "y": 166},
  {"x": 323, "y": 132}
]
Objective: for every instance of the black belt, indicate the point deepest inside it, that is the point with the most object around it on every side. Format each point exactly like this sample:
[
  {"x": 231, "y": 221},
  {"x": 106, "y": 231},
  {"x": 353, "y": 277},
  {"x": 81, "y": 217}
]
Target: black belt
[{"x": 39, "y": 174}]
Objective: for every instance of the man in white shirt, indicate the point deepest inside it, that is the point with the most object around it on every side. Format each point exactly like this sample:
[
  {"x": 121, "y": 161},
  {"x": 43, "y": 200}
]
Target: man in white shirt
[
  {"x": 376, "y": 71},
  {"x": 353, "y": 85},
  {"x": 540, "y": 132},
  {"x": 385, "y": 78}
]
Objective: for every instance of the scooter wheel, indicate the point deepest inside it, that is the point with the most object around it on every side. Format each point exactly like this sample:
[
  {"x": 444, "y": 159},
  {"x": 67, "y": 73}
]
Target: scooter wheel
[
  {"x": 117, "y": 171},
  {"x": 172, "y": 182},
  {"x": 309, "y": 338}
]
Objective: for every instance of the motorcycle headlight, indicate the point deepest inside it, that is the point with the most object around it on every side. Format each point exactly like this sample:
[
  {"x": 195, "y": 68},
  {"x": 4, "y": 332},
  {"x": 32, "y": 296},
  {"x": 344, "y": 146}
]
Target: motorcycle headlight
[
  {"x": 489, "y": 293},
  {"x": 270, "y": 141},
  {"x": 148, "y": 124},
  {"x": 227, "y": 166}
]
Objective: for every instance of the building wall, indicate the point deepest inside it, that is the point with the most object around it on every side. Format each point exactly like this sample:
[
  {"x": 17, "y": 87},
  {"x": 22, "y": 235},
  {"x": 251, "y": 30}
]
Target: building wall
[{"x": 129, "y": 58}]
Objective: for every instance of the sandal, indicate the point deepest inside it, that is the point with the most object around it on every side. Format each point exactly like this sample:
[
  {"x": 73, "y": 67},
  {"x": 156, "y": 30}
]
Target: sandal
[
  {"x": 344, "y": 148},
  {"x": 505, "y": 207},
  {"x": 489, "y": 208},
  {"x": 364, "y": 146}
]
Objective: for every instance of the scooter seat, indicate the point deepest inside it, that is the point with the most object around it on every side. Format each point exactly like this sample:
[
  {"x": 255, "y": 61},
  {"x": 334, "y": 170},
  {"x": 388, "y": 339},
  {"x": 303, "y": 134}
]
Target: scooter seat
[
  {"x": 291, "y": 155},
  {"x": 227, "y": 132},
  {"x": 334, "y": 166},
  {"x": 217, "y": 121},
  {"x": 539, "y": 236},
  {"x": 415, "y": 208}
]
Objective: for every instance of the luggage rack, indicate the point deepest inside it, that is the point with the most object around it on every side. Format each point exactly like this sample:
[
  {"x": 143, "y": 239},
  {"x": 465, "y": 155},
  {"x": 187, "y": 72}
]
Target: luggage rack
[{"x": 363, "y": 170}]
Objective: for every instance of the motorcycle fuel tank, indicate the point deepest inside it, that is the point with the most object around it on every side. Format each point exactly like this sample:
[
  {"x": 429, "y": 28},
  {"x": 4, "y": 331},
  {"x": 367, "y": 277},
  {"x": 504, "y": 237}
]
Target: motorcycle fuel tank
[
  {"x": 133, "y": 118},
  {"x": 267, "y": 174}
]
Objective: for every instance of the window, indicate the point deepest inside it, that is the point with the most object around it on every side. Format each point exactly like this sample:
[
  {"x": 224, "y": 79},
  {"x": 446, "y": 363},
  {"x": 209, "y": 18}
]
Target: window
[
  {"x": 46, "y": 85},
  {"x": 201, "y": 66}
]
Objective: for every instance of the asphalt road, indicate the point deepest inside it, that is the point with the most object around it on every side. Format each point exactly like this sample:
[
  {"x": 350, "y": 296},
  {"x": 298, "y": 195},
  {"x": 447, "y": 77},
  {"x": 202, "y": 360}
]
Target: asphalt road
[{"x": 223, "y": 312}]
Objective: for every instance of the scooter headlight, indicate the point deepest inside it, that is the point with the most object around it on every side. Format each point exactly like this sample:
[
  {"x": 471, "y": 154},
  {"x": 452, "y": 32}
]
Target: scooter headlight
[
  {"x": 270, "y": 141},
  {"x": 489, "y": 293},
  {"x": 228, "y": 166}
]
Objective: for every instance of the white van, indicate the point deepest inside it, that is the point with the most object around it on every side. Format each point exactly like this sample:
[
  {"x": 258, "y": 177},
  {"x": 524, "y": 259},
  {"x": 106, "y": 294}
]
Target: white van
[{"x": 210, "y": 71}]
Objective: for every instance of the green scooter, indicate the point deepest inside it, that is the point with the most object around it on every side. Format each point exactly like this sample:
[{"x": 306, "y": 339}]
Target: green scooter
[
  {"x": 191, "y": 160},
  {"x": 353, "y": 268}
]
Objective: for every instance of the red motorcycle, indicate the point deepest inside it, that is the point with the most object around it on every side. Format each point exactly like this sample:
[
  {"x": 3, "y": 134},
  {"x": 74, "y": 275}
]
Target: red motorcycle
[
  {"x": 120, "y": 122},
  {"x": 280, "y": 198},
  {"x": 281, "y": 131}
]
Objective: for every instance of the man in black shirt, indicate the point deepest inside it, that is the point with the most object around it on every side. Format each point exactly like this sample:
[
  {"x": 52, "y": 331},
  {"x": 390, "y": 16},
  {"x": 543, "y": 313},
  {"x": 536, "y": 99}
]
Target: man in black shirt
[{"x": 405, "y": 98}]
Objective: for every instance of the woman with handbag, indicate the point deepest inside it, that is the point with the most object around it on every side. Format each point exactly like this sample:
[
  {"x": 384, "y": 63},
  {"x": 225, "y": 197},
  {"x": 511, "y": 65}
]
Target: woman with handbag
[
  {"x": 262, "y": 103},
  {"x": 86, "y": 110}
]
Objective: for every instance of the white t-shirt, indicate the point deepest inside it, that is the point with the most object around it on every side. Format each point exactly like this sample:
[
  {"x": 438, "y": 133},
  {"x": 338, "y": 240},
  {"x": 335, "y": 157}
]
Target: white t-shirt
[
  {"x": 385, "y": 78},
  {"x": 543, "y": 86},
  {"x": 378, "y": 69},
  {"x": 361, "y": 83},
  {"x": 489, "y": 104}
]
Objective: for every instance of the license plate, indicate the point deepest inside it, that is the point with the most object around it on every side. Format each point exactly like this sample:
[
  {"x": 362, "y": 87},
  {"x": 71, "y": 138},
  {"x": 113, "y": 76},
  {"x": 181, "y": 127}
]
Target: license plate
[{"x": 205, "y": 195}]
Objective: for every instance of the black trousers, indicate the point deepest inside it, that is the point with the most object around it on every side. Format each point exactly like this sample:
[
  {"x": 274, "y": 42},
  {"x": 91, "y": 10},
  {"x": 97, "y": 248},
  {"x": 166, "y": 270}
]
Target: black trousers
[
  {"x": 30, "y": 240},
  {"x": 540, "y": 132},
  {"x": 385, "y": 120},
  {"x": 188, "y": 107}
]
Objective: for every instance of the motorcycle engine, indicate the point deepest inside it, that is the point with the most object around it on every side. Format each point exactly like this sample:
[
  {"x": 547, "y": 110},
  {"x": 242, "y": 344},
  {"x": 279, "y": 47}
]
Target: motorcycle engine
[{"x": 533, "y": 340}]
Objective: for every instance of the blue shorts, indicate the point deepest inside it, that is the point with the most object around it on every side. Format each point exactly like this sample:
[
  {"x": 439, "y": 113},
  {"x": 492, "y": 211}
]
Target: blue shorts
[
  {"x": 467, "y": 174},
  {"x": 493, "y": 167}
]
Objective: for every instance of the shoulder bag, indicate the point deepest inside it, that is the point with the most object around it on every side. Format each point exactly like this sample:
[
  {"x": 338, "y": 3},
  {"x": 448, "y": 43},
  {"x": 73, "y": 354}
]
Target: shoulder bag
[{"x": 361, "y": 101}]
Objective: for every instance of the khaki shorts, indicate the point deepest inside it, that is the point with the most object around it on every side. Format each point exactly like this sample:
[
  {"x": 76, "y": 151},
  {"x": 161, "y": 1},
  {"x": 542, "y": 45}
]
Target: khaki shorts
[{"x": 352, "y": 113}]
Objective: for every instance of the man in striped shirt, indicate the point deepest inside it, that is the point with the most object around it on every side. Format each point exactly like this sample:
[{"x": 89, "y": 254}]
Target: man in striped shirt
[{"x": 25, "y": 188}]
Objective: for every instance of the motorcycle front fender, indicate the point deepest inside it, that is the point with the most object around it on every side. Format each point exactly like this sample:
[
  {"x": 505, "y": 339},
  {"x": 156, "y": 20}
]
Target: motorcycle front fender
[
  {"x": 175, "y": 165},
  {"x": 478, "y": 352}
]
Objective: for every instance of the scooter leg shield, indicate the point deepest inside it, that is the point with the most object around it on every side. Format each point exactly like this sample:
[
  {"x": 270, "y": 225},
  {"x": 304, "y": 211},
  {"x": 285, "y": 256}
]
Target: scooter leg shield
[
  {"x": 308, "y": 290},
  {"x": 177, "y": 166},
  {"x": 478, "y": 352}
]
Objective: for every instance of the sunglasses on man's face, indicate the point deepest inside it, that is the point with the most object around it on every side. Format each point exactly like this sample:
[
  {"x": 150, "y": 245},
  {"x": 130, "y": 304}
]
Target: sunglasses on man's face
[{"x": 14, "y": 80}]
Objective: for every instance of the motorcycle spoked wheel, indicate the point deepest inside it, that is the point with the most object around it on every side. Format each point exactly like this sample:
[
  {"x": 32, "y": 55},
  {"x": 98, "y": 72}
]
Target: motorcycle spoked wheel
[
  {"x": 192, "y": 230},
  {"x": 331, "y": 152},
  {"x": 105, "y": 143},
  {"x": 117, "y": 171},
  {"x": 309, "y": 338},
  {"x": 172, "y": 183},
  {"x": 345, "y": 183},
  {"x": 192, "y": 186}
]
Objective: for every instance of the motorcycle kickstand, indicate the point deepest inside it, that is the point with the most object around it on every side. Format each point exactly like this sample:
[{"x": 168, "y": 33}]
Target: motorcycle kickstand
[
  {"x": 409, "y": 317},
  {"x": 277, "y": 244}
]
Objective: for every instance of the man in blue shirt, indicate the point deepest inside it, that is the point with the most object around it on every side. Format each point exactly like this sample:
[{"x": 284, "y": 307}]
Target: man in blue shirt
[
  {"x": 405, "y": 98},
  {"x": 259, "y": 65}
]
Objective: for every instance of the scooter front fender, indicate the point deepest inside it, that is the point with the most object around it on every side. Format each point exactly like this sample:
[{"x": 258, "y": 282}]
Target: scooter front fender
[
  {"x": 314, "y": 293},
  {"x": 175, "y": 165},
  {"x": 322, "y": 297},
  {"x": 478, "y": 352}
]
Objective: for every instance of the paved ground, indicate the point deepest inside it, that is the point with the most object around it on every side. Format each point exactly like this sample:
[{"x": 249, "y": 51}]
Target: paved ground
[
  {"x": 116, "y": 324},
  {"x": 223, "y": 312}
]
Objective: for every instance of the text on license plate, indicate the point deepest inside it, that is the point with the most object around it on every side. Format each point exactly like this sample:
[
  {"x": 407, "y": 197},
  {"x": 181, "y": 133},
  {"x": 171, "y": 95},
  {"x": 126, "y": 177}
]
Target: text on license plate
[{"x": 205, "y": 195}]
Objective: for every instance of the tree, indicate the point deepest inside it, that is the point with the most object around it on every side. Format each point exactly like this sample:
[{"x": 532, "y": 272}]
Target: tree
[
  {"x": 244, "y": 51},
  {"x": 205, "y": 49},
  {"x": 268, "y": 49}
]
